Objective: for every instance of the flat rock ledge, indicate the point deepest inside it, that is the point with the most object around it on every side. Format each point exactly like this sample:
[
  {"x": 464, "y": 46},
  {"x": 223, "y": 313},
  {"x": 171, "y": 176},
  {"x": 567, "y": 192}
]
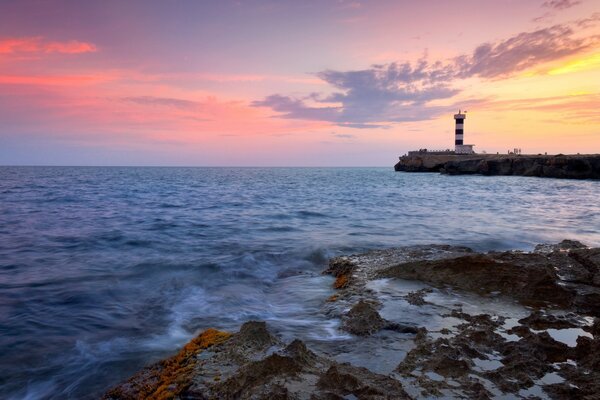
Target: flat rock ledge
[
  {"x": 480, "y": 356},
  {"x": 548, "y": 166}
]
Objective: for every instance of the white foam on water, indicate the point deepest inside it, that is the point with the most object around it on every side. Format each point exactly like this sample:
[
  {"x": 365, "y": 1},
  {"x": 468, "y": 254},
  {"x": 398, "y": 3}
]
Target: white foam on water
[{"x": 36, "y": 391}]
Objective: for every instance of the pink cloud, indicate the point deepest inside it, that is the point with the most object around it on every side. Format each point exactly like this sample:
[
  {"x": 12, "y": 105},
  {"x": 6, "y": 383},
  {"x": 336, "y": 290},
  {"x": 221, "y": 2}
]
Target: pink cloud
[
  {"x": 40, "y": 45},
  {"x": 53, "y": 80}
]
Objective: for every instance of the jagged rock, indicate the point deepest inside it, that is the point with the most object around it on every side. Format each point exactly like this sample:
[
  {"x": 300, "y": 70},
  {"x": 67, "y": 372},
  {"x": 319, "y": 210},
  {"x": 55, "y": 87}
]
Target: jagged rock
[
  {"x": 363, "y": 320},
  {"x": 345, "y": 379},
  {"x": 253, "y": 364},
  {"x": 417, "y": 298},
  {"x": 539, "y": 320},
  {"x": 170, "y": 377}
]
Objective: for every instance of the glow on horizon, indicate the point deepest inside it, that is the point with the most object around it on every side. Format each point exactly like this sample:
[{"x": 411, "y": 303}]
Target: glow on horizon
[{"x": 283, "y": 83}]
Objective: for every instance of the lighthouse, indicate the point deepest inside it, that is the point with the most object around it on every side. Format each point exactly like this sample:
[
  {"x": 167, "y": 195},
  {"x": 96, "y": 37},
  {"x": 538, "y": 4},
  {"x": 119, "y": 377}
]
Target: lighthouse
[{"x": 459, "y": 131}]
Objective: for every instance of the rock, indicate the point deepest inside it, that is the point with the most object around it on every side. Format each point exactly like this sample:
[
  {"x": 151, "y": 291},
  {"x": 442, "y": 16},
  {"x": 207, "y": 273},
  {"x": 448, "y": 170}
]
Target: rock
[
  {"x": 341, "y": 268},
  {"x": 363, "y": 320},
  {"x": 400, "y": 328},
  {"x": 590, "y": 260},
  {"x": 539, "y": 320},
  {"x": 527, "y": 277},
  {"x": 417, "y": 298},
  {"x": 466, "y": 356},
  {"x": 172, "y": 376},
  {"x": 253, "y": 364},
  {"x": 345, "y": 379}
]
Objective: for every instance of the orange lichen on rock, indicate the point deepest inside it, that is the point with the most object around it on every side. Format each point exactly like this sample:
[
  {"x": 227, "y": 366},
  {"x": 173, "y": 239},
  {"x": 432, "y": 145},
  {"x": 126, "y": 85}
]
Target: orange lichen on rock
[
  {"x": 341, "y": 281},
  {"x": 169, "y": 377},
  {"x": 332, "y": 298}
]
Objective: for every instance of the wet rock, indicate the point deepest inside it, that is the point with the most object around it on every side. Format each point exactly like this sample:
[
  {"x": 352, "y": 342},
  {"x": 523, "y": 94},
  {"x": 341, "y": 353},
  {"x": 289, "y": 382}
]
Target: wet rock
[
  {"x": 594, "y": 329},
  {"x": 253, "y": 336},
  {"x": 341, "y": 281},
  {"x": 400, "y": 328},
  {"x": 363, "y": 320},
  {"x": 253, "y": 364},
  {"x": 449, "y": 361},
  {"x": 580, "y": 387},
  {"x": 539, "y": 320},
  {"x": 417, "y": 298},
  {"x": 590, "y": 260},
  {"x": 582, "y": 375},
  {"x": 527, "y": 277},
  {"x": 564, "y": 246},
  {"x": 172, "y": 376},
  {"x": 339, "y": 266},
  {"x": 345, "y": 379},
  {"x": 255, "y": 375},
  {"x": 539, "y": 346}
]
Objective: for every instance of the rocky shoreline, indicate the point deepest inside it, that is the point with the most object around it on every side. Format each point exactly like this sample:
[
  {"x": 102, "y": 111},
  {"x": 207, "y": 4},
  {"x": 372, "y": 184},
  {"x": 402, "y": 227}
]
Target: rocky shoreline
[
  {"x": 516, "y": 324},
  {"x": 548, "y": 166}
]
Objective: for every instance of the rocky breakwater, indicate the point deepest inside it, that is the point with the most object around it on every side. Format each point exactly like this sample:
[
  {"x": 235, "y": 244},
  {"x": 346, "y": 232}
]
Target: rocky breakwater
[
  {"x": 470, "y": 325},
  {"x": 549, "y": 166}
]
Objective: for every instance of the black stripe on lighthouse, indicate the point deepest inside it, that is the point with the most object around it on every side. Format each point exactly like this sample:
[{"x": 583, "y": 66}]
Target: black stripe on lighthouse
[{"x": 459, "y": 131}]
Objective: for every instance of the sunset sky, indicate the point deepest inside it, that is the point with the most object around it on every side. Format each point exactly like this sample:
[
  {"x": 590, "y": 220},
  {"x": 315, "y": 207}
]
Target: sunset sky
[{"x": 293, "y": 83}]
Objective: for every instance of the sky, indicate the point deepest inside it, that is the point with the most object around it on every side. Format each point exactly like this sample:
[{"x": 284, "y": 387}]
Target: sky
[{"x": 293, "y": 83}]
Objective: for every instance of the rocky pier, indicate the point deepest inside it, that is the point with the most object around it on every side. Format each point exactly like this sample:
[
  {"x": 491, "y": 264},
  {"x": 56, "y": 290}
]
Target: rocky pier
[
  {"x": 516, "y": 324},
  {"x": 548, "y": 166}
]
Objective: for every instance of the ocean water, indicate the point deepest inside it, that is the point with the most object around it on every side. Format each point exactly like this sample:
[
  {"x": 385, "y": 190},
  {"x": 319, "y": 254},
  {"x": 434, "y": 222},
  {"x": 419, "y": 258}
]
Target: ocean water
[{"x": 104, "y": 270}]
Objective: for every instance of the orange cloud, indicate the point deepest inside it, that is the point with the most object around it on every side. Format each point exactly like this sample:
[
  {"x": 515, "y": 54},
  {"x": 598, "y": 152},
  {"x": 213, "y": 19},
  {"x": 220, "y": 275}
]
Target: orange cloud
[{"x": 39, "y": 45}]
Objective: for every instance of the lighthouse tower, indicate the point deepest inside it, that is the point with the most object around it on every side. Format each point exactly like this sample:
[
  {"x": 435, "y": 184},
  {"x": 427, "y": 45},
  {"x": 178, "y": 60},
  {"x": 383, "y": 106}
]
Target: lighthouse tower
[{"x": 459, "y": 146}]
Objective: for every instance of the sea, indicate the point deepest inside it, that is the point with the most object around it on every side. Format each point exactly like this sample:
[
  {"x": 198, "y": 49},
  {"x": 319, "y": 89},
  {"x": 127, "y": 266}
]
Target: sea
[{"x": 104, "y": 270}]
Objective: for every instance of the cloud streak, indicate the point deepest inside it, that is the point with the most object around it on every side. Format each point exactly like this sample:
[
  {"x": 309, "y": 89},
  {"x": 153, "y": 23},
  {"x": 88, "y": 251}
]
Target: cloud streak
[
  {"x": 560, "y": 4},
  {"x": 41, "y": 46},
  {"x": 161, "y": 101}
]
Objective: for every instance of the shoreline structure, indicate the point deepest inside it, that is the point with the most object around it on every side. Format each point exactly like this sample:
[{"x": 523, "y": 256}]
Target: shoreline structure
[
  {"x": 513, "y": 323},
  {"x": 463, "y": 160}
]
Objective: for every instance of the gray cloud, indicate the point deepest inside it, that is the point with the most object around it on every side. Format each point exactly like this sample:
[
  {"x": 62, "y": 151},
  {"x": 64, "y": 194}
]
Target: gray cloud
[
  {"x": 399, "y": 92},
  {"x": 522, "y": 51},
  {"x": 161, "y": 101},
  {"x": 560, "y": 4},
  {"x": 370, "y": 98}
]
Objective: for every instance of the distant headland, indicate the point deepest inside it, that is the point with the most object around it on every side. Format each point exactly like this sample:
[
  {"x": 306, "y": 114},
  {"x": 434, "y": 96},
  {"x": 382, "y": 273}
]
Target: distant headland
[
  {"x": 464, "y": 160},
  {"x": 548, "y": 166}
]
